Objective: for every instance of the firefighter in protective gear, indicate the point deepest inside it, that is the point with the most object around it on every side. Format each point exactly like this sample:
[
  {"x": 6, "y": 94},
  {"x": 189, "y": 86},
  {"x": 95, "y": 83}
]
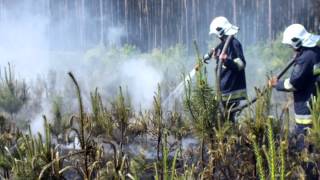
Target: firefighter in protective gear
[
  {"x": 302, "y": 81},
  {"x": 232, "y": 75},
  {"x": 304, "y": 77}
]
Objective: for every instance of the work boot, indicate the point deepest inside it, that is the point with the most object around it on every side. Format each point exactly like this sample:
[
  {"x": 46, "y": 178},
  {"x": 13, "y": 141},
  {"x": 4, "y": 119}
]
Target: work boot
[{"x": 300, "y": 132}]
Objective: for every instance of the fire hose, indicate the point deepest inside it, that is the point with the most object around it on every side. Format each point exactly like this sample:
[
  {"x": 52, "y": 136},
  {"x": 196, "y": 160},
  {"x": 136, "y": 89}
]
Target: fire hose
[
  {"x": 219, "y": 66},
  {"x": 279, "y": 75}
]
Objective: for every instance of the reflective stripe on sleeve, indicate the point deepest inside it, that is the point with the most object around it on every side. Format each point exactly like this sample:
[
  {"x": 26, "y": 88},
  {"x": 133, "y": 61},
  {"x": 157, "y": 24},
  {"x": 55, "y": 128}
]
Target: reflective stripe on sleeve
[
  {"x": 238, "y": 94},
  {"x": 303, "y": 119},
  {"x": 288, "y": 85},
  {"x": 239, "y": 63},
  {"x": 316, "y": 69}
]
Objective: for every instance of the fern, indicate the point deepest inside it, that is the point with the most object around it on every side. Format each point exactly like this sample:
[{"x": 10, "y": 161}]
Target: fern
[
  {"x": 259, "y": 160},
  {"x": 272, "y": 152},
  {"x": 282, "y": 160}
]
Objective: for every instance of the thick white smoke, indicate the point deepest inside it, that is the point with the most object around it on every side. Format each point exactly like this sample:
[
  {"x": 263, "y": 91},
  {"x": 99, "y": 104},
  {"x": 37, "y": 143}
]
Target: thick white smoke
[
  {"x": 142, "y": 80},
  {"x": 24, "y": 42}
]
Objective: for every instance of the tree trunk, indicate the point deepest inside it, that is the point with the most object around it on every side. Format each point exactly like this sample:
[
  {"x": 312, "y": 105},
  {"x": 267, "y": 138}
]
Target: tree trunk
[
  {"x": 186, "y": 23},
  {"x": 101, "y": 22},
  {"x": 82, "y": 24},
  {"x": 126, "y": 19},
  {"x": 234, "y": 5},
  {"x": 270, "y": 19},
  {"x": 161, "y": 23}
]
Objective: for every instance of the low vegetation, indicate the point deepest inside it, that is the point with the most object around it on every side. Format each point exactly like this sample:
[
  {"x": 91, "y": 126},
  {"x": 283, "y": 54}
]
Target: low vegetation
[{"x": 115, "y": 140}]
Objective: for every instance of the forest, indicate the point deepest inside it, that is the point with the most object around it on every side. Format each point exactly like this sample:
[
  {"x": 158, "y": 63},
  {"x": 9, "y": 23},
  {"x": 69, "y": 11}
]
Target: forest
[
  {"x": 150, "y": 24},
  {"x": 108, "y": 89}
]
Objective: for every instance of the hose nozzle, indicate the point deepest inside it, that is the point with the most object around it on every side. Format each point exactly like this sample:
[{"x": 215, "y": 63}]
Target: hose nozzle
[{"x": 208, "y": 56}]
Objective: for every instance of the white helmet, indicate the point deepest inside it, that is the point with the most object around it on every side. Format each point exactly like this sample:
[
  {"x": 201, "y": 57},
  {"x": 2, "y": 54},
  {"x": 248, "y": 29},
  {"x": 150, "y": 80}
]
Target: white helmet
[
  {"x": 296, "y": 36},
  {"x": 221, "y": 26}
]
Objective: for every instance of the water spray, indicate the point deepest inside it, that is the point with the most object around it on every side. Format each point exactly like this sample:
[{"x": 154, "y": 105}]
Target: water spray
[{"x": 178, "y": 90}]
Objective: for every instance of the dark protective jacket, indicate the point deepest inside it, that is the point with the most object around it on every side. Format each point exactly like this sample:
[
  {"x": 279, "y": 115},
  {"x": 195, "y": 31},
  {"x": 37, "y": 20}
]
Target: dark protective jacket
[
  {"x": 232, "y": 74},
  {"x": 302, "y": 82}
]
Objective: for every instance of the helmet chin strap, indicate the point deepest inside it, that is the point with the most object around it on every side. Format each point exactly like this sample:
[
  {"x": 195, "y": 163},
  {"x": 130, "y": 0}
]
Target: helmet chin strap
[
  {"x": 297, "y": 49},
  {"x": 223, "y": 38},
  {"x": 298, "y": 44}
]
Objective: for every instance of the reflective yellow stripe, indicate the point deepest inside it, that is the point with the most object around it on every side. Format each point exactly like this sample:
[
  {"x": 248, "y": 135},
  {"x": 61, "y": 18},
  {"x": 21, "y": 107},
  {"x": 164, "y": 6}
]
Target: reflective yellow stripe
[
  {"x": 316, "y": 72},
  {"x": 316, "y": 69},
  {"x": 235, "y": 95},
  {"x": 303, "y": 121}
]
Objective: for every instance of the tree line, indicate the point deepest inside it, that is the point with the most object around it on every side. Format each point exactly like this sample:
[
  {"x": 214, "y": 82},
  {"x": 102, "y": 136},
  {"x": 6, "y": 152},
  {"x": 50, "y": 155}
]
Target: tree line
[{"x": 152, "y": 24}]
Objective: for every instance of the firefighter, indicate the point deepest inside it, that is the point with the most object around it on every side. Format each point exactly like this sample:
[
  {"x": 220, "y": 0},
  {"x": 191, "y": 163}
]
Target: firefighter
[
  {"x": 232, "y": 73},
  {"x": 303, "y": 80}
]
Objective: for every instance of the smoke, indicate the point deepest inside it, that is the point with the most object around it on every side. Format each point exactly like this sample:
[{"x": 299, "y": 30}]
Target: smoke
[
  {"x": 23, "y": 40},
  {"x": 141, "y": 79},
  {"x": 256, "y": 72},
  {"x": 27, "y": 37},
  {"x": 114, "y": 35},
  {"x": 37, "y": 125},
  {"x": 26, "y": 42}
]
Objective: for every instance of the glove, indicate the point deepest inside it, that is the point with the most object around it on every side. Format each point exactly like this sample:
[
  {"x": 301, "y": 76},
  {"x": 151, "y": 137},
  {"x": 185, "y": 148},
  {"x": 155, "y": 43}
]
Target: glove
[{"x": 208, "y": 56}]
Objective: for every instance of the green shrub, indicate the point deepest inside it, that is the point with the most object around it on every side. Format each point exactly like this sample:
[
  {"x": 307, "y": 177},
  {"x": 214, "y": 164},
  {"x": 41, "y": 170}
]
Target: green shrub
[{"x": 13, "y": 93}]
